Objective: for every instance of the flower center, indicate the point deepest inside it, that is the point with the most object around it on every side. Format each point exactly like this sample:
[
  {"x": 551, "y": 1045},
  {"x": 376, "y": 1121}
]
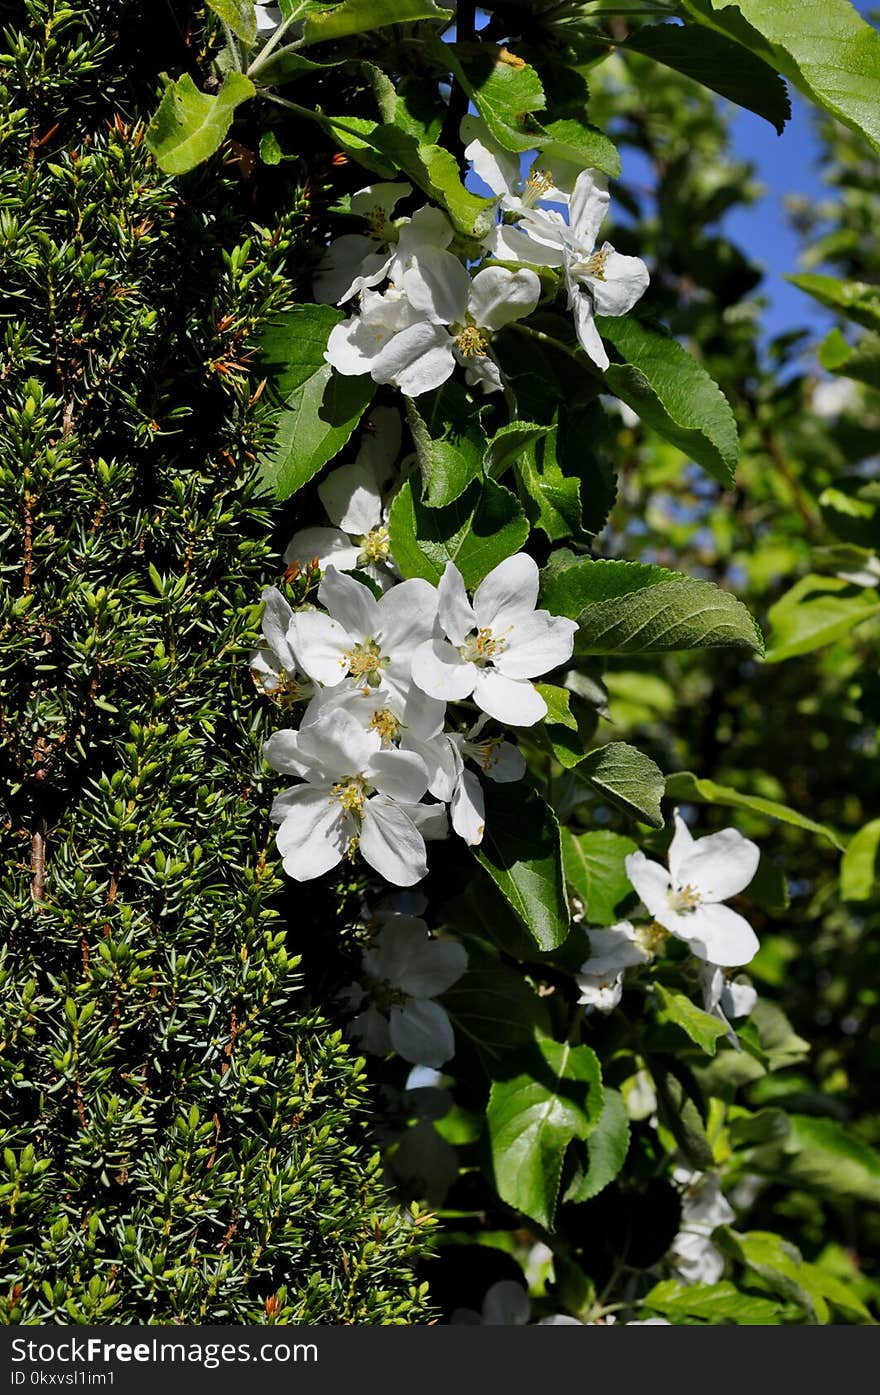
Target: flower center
[
  {"x": 376, "y": 220},
  {"x": 387, "y": 995},
  {"x": 386, "y": 724},
  {"x": 683, "y": 899},
  {"x": 536, "y": 186},
  {"x": 375, "y": 546},
  {"x": 365, "y": 662},
  {"x": 595, "y": 265},
  {"x": 486, "y": 752},
  {"x": 651, "y": 937},
  {"x": 481, "y": 647},
  {"x": 472, "y": 342},
  {"x": 352, "y": 795}
]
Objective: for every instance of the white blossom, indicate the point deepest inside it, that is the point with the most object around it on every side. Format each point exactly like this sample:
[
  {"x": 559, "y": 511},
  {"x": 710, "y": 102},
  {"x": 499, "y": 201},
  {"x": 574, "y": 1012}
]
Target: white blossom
[
  {"x": 686, "y": 899},
  {"x": 493, "y": 648},
  {"x": 355, "y": 497},
  {"x": 703, "y": 1207},
  {"x": 725, "y": 998},
  {"x": 548, "y": 180},
  {"x": 506, "y": 1304},
  {"x": 356, "y": 261},
  {"x": 405, "y": 970},
  {"x": 445, "y": 753},
  {"x": 364, "y": 642},
  {"x": 355, "y": 795},
  {"x": 601, "y": 976},
  {"x": 274, "y": 666}
]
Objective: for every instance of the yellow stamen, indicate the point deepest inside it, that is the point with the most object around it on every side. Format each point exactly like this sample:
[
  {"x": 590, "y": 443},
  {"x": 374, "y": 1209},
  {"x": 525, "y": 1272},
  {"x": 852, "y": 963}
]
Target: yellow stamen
[
  {"x": 375, "y": 546},
  {"x": 365, "y": 661},
  {"x": 386, "y": 724},
  {"x": 651, "y": 938},
  {"x": 536, "y": 186},
  {"x": 595, "y": 265},
  {"x": 472, "y": 342},
  {"x": 352, "y": 796},
  {"x": 685, "y": 898}
]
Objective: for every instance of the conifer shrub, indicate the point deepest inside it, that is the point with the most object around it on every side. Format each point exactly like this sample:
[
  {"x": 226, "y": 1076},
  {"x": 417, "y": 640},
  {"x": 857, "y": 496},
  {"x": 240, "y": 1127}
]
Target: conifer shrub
[{"x": 185, "y": 1135}]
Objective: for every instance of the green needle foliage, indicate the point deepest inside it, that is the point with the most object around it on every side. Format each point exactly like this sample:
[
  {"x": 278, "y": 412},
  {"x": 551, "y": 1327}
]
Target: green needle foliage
[{"x": 184, "y": 1134}]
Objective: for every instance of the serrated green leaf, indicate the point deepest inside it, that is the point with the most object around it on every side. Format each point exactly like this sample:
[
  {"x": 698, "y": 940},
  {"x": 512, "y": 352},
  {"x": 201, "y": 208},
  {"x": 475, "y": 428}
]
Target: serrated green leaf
[
  {"x": 688, "y": 788},
  {"x": 822, "y": 1153},
  {"x": 672, "y": 393},
  {"x": 449, "y": 442},
  {"x": 595, "y": 869},
  {"x": 568, "y": 731},
  {"x": 521, "y": 852},
  {"x": 860, "y": 361},
  {"x": 858, "y": 866},
  {"x": 704, "y": 1030},
  {"x": 607, "y": 1147},
  {"x": 581, "y": 144},
  {"x": 188, "y": 126},
  {"x": 509, "y": 443},
  {"x": 363, "y": 16},
  {"x": 719, "y": 63},
  {"x": 816, "y": 611},
  {"x": 628, "y": 779},
  {"x": 493, "y": 1007},
  {"x": 858, "y": 300},
  {"x": 717, "y": 1304},
  {"x": 319, "y": 408},
  {"x": 532, "y": 1118},
  {"x": 240, "y": 15},
  {"x": 435, "y": 171},
  {"x": 823, "y": 46},
  {"x": 505, "y": 91},
  {"x": 478, "y": 530},
  {"x": 552, "y": 499}
]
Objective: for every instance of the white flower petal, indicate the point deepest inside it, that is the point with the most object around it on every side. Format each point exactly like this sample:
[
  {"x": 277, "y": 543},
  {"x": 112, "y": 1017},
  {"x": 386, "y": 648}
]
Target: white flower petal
[
  {"x": 421, "y": 1032},
  {"x": 589, "y": 204},
  {"x": 585, "y": 327},
  {"x": 312, "y": 838},
  {"x": 506, "y": 1305},
  {"x": 498, "y": 168},
  {"x": 624, "y": 281},
  {"x": 349, "y": 602},
  {"x": 423, "y": 715},
  {"x": 720, "y": 865},
  {"x": 613, "y": 950},
  {"x": 345, "y": 258},
  {"x": 329, "y": 545},
  {"x": 401, "y": 775},
  {"x": 429, "y": 819},
  {"x": 437, "y": 284},
  {"x": 600, "y": 991},
  {"x": 454, "y": 611},
  {"x": 337, "y": 745},
  {"x": 320, "y": 644},
  {"x": 513, "y": 245},
  {"x": 517, "y": 704},
  {"x": 430, "y": 967},
  {"x": 651, "y": 881},
  {"x": 370, "y": 1030},
  {"x": 439, "y": 670},
  {"x": 681, "y": 846},
  {"x": 382, "y": 197},
  {"x": 738, "y": 999},
  {"x": 535, "y": 644},
  {"x": 509, "y": 592},
  {"x": 382, "y": 431},
  {"x": 416, "y": 360},
  {"x": 282, "y": 752},
  {"x": 392, "y": 845},
  {"x": 468, "y": 809},
  {"x": 720, "y": 935},
  {"x": 499, "y": 296},
  {"x": 441, "y": 760},
  {"x": 277, "y": 615},
  {"x": 406, "y": 616},
  {"x": 352, "y": 499}
]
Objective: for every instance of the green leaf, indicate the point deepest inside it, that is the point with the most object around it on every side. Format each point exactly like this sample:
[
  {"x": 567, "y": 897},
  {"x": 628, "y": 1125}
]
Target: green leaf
[
  {"x": 718, "y": 1304},
  {"x": 240, "y": 15},
  {"x": 319, "y": 408},
  {"x": 628, "y": 779},
  {"x": 552, "y": 499},
  {"x": 189, "y": 125},
  {"x": 783, "y": 1268},
  {"x": 493, "y": 1008},
  {"x": 704, "y": 1030},
  {"x": 448, "y": 440},
  {"x": 520, "y": 851},
  {"x": 595, "y": 869},
  {"x": 607, "y": 1147},
  {"x": 478, "y": 530},
  {"x": 823, "y": 46},
  {"x": 435, "y": 171},
  {"x": 509, "y": 443},
  {"x": 816, "y": 611},
  {"x": 679, "y": 1114},
  {"x": 580, "y": 144},
  {"x": 363, "y": 16},
  {"x": 719, "y": 64},
  {"x": 633, "y": 608},
  {"x": 505, "y": 91},
  {"x": 532, "y": 1118},
  {"x": 860, "y": 361},
  {"x": 672, "y": 393},
  {"x": 568, "y": 732},
  {"x": 689, "y": 789},
  {"x": 858, "y": 300},
  {"x": 823, "y": 1154},
  {"x": 858, "y": 867}
]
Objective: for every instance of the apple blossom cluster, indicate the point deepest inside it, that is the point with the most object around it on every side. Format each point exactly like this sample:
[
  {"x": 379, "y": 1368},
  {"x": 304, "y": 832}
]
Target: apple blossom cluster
[
  {"x": 685, "y": 900},
  {"x": 425, "y": 302},
  {"x": 408, "y": 692}
]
